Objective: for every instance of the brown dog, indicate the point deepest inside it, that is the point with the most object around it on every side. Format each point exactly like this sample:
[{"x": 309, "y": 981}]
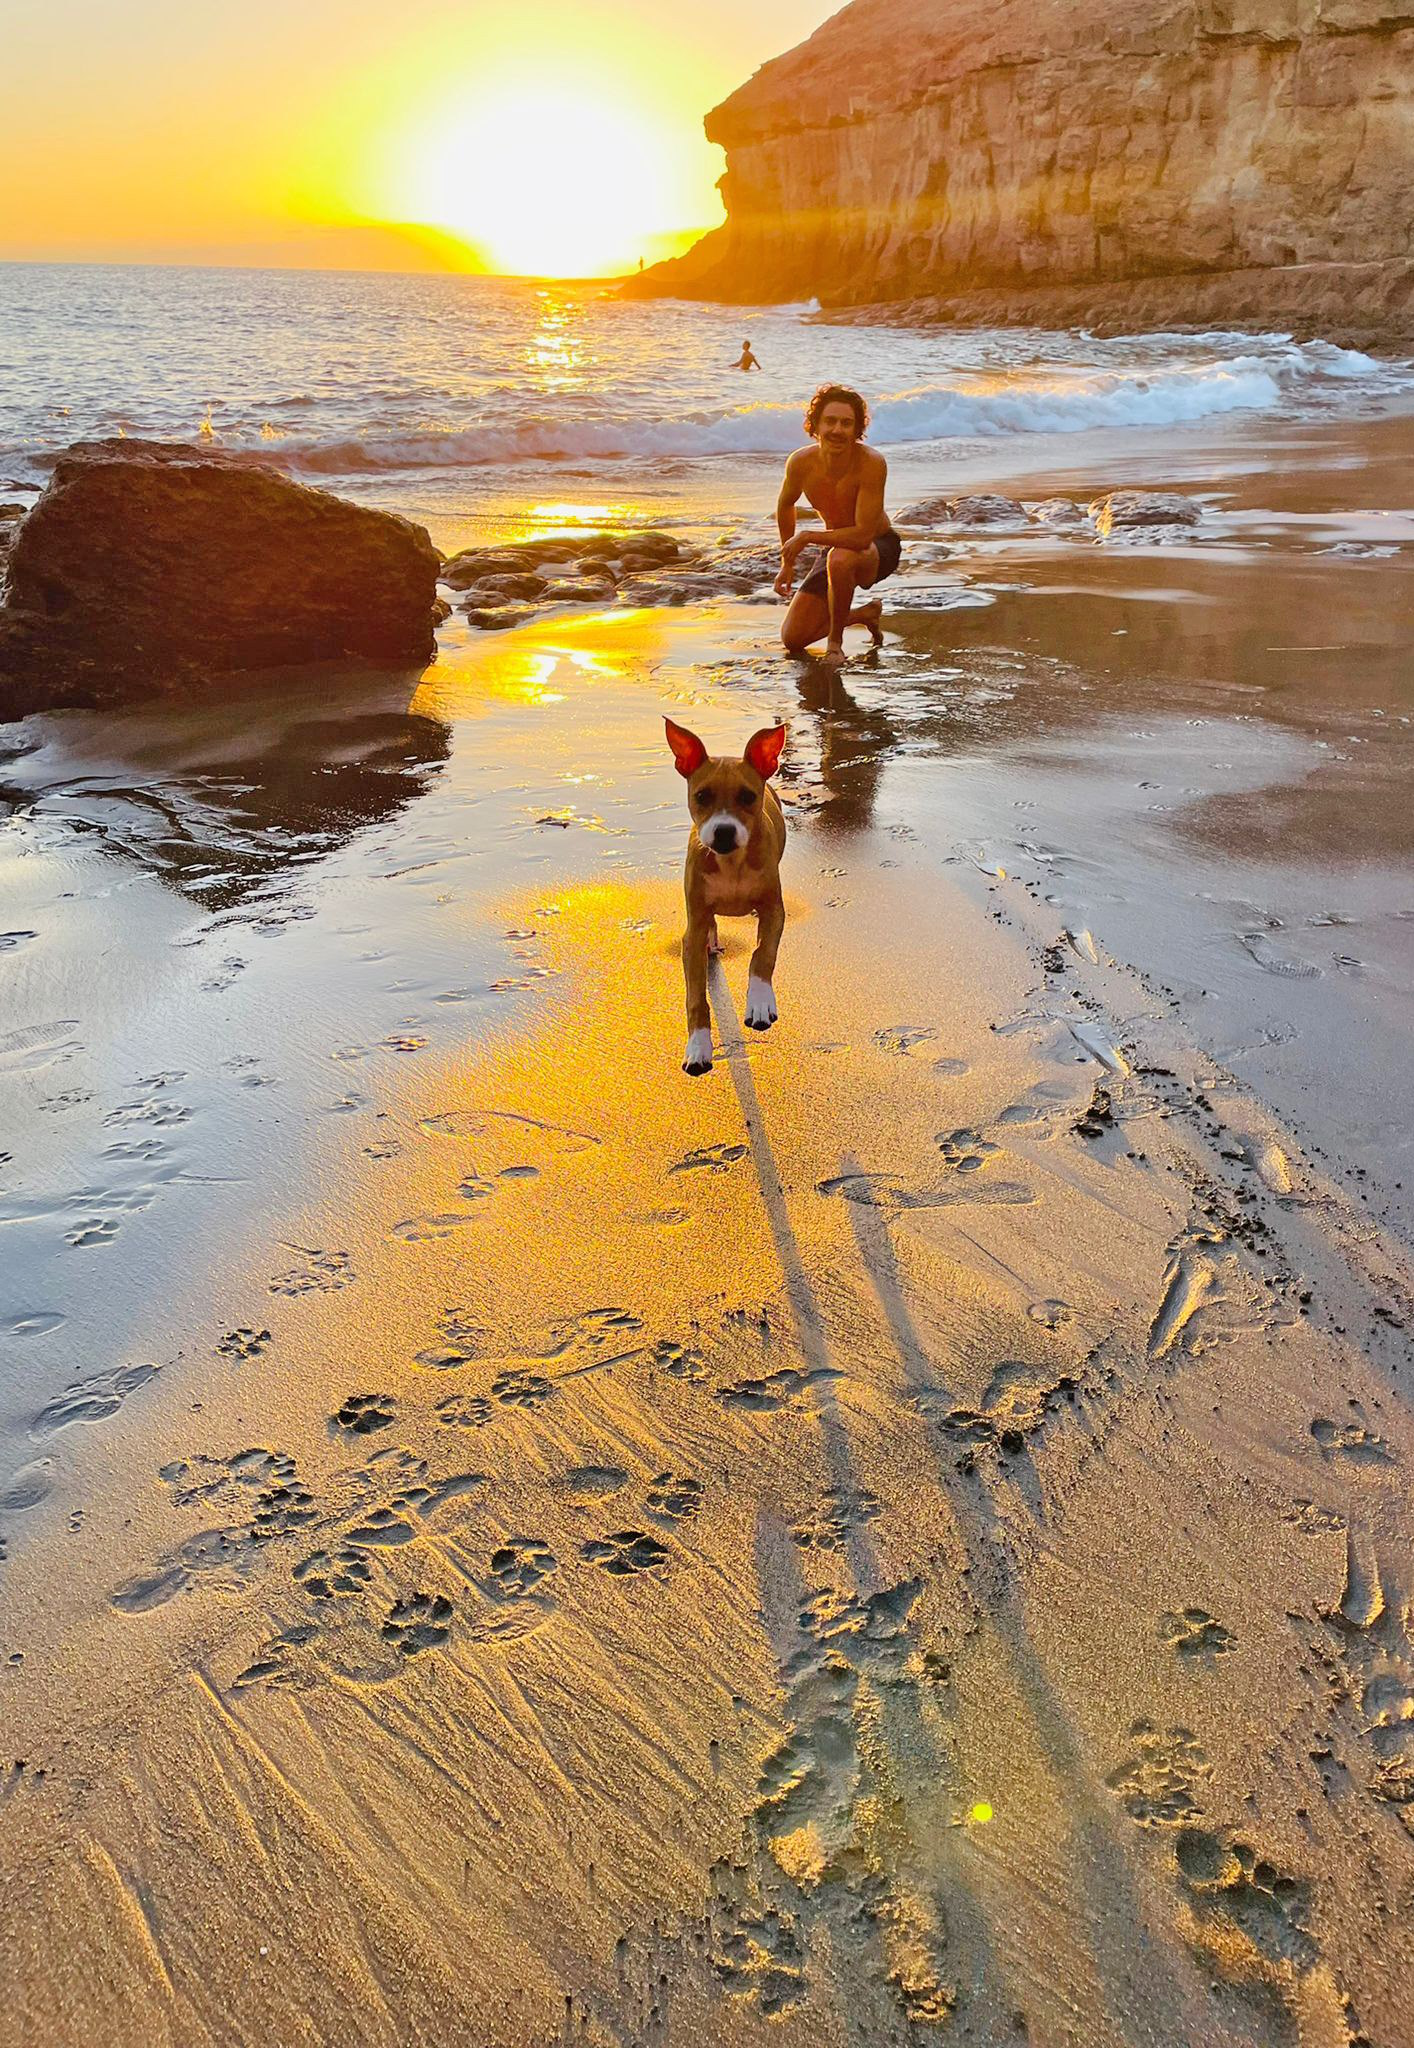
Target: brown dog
[{"x": 733, "y": 870}]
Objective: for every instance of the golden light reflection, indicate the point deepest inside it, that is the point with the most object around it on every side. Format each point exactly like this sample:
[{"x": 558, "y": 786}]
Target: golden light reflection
[
  {"x": 544, "y": 179},
  {"x": 554, "y": 354}
]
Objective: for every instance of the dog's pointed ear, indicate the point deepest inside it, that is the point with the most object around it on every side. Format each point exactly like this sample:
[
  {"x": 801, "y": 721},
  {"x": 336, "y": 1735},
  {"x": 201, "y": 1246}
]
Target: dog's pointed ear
[
  {"x": 763, "y": 750},
  {"x": 688, "y": 750}
]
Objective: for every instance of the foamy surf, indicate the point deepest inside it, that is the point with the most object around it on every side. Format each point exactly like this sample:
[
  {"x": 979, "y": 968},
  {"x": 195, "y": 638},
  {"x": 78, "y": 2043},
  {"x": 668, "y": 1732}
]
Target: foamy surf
[{"x": 1029, "y": 399}]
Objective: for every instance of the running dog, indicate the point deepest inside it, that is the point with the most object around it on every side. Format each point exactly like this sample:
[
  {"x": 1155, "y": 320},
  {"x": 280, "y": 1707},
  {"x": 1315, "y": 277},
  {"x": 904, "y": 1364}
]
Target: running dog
[{"x": 733, "y": 870}]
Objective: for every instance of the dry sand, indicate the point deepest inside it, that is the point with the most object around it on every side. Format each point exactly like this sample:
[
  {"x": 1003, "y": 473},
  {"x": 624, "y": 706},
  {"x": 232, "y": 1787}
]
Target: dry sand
[{"x": 905, "y": 1538}]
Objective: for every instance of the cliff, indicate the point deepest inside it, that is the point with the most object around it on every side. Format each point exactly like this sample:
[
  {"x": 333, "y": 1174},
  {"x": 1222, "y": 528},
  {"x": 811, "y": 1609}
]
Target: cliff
[{"x": 1254, "y": 152}]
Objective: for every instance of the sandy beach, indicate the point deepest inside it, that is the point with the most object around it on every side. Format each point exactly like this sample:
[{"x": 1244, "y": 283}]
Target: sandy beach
[{"x": 906, "y": 1537}]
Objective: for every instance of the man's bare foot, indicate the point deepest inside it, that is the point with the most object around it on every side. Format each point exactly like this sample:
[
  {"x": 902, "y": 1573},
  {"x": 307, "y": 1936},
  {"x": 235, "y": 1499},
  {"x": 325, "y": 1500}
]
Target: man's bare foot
[
  {"x": 834, "y": 655},
  {"x": 869, "y": 615}
]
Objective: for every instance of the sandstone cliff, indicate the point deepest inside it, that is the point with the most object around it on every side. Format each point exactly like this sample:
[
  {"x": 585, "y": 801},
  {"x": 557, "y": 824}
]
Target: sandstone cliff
[{"x": 1254, "y": 152}]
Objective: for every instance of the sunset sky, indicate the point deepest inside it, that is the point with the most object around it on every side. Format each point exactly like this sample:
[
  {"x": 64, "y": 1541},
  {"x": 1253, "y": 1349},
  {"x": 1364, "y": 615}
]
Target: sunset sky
[{"x": 539, "y": 135}]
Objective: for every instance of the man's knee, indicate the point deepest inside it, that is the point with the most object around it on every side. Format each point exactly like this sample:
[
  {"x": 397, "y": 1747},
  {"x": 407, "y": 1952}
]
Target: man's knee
[{"x": 844, "y": 562}]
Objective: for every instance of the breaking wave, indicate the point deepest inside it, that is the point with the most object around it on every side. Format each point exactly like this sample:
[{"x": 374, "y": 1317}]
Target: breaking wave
[{"x": 1018, "y": 401}]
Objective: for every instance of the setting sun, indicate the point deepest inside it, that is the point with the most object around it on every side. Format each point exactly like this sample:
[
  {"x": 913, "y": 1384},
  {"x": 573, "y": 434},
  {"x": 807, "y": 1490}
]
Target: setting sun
[{"x": 541, "y": 180}]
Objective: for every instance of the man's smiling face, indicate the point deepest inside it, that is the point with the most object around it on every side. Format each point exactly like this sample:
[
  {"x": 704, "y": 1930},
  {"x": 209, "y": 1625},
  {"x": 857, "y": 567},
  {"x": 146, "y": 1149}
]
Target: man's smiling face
[{"x": 836, "y": 428}]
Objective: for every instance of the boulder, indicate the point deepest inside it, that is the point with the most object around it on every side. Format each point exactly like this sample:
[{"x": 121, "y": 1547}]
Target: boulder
[
  {"x": 1057, "y": 512},
  {"x": 496, "y": 617},
  {"x": 1127, "y": 510},
  {"x": 461, "y": 571},
  {"x": 522, "y": 584},
  {"x": 146, "y": 566}
]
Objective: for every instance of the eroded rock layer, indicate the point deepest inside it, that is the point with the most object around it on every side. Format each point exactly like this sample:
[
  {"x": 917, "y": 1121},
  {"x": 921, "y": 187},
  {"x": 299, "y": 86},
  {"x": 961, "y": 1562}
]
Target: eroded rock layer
[{"x": 915, "y": 147}]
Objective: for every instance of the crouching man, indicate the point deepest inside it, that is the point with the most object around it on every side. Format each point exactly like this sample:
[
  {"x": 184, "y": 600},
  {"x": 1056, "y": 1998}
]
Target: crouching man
[{"x": 844, "y": 480}]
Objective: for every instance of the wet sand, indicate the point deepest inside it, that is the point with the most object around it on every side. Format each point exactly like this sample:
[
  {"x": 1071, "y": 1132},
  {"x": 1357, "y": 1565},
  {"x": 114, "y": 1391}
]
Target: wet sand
[{"x": 906, "y": 1537}]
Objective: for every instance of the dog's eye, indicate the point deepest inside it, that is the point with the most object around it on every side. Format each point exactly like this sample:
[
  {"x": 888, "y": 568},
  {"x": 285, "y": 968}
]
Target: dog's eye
[
  {"x": 703, "y": 799},
  {"x": 746, "y": 797}
]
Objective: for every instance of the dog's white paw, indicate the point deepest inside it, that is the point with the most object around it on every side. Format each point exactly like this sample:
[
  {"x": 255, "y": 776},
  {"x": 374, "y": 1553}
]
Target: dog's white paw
[
  {"x": 699, "y": 1053},
  {"x": 760, "y": 1004}
]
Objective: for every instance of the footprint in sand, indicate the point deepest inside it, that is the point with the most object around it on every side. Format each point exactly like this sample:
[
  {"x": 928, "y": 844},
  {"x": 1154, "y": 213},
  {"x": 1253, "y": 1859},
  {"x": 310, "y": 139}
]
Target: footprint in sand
[
  {"x": 626, "y": 1553},
  {"x": 890, "y": 1191},
  {"x": 1051, "y": 1314},
  {"x": 1349, "y": 1440},
  {"x": 782, "y": 1389},
  {"x": 419, "y": 1621},
  {"x": 384, "y": 1529},
  {"x": 522, "y": 1389},
  {"x": 710, "y": 1159},
  {"x": 520, "y": 1564},
  {"x": 1272, "y": 961},
  {"x": 243, "y": 1343},
  {"x": 203, "y": 1477},
  {"x": 92, "y": 1400},
  {"x": 1194, "y": 1634},
  {"x": 903, "y": 1039},
  {"x": 595, "y": 1482},
  {"x": 1310, "y": 1519},
  {"x": 464, "y": 1411},
  {"x": 426, "y": 1229},
  {"x": 841, "y": 1511},
  {"x": 362, "y": 1414},
  {"x": 320, "y": 1272},
  {"x": 592, "y": 1331},
  {"x": 28, "y": 1487},
  {"x": 1158, "y": 1785},
  {"x": 34, "y": 1044}
]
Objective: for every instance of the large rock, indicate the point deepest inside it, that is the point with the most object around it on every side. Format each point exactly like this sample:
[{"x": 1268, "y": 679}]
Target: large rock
[
  {"x": 147, "y": 565},
  {"x": 957, "y": 147}
]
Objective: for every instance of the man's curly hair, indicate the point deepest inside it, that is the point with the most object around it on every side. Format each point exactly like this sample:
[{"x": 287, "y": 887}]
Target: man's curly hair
[{"x": 836, "y": 394}]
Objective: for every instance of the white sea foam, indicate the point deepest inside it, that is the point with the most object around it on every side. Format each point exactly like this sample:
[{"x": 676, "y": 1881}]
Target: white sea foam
[{"x": 1016, "y": 401}]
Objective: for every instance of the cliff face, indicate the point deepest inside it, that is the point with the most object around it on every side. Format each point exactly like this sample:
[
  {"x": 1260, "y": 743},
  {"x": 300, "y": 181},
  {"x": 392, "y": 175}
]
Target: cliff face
[{"x": 947, "y": 146}]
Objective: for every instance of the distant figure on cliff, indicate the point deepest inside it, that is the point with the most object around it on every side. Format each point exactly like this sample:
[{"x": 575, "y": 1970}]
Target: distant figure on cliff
[
  {"x": 746, "y": 360},
  {"x": 844, "y": 481}
]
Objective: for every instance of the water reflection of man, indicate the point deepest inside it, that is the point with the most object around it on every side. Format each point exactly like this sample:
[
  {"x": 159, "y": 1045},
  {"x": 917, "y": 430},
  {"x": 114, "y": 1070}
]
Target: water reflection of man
[
  {"x": 854, "y": 743},
  {"x": 746, "y": 360}
]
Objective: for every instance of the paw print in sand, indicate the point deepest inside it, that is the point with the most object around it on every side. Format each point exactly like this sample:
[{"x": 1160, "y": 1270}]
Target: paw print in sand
[
  {"x": 328, "y": 1574},
  {"x": 1194, "y": 1633},
  {"x": 520, "y": 1565},
  {"x": 362, "y": 1414},
  {"x": 243, "y": 1343},
  {"x": 422, "y": 1621},
  {"x": 675, "y": 1495},
  {"x": 626, "y": 1552},
  {"x": 464, "y": 1411},
  {"x": 522, "y": 1389}
]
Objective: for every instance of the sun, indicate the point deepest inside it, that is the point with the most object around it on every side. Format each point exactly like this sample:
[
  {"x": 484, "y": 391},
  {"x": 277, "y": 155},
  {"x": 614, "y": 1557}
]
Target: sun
[{"x": 542, "y": 181}]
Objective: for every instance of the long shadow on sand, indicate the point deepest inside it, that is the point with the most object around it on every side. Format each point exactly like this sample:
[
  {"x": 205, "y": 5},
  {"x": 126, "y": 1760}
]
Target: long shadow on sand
[{"x": 873, "y": 1643}]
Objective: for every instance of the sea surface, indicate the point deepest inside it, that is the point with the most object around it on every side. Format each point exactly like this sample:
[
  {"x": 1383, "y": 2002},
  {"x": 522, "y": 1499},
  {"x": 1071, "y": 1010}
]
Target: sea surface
[{"x": 470, "y": 403}]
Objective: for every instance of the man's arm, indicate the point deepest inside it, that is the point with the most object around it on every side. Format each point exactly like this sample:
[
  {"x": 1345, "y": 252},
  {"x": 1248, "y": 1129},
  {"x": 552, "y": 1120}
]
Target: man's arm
[{"x": 787, "y": 500}]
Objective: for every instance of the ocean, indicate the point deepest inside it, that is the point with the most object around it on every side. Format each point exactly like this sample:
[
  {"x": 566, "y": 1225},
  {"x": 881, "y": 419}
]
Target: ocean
[{"x": 473, "y": 403}]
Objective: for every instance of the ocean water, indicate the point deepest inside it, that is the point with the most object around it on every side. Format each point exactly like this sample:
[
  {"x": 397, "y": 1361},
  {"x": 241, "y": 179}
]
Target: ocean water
[{"x": 466, "y": 401}]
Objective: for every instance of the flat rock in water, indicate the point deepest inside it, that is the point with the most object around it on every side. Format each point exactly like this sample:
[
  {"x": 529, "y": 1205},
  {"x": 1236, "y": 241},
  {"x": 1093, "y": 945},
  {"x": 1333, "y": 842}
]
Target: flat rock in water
[
  {"x": 1123, "y": 510},
  {"x": 981, "y": 508},
  {"x": 148, "y": 566}
]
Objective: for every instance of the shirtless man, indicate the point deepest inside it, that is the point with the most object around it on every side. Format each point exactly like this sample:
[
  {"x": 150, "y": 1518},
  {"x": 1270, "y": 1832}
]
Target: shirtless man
[
  {"x": 844, "y": 481},
  {"x": 746, "y": 360}
]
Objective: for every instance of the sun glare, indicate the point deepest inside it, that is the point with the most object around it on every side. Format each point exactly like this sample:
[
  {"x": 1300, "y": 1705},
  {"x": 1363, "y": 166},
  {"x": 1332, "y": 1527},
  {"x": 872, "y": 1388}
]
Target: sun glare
[{"x": 540, "y": 181}]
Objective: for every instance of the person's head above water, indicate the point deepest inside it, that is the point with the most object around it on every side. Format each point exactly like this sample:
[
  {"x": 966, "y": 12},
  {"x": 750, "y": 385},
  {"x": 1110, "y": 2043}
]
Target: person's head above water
[{"x": 836, "y": 416}]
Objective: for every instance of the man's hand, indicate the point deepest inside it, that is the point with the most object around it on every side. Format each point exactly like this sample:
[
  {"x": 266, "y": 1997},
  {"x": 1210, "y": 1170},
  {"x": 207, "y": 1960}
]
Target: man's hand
[{"x": 791, "y": 551}]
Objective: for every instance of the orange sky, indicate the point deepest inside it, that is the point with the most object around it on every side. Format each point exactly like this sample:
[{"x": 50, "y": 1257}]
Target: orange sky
[{"x": 546, "y": 135}]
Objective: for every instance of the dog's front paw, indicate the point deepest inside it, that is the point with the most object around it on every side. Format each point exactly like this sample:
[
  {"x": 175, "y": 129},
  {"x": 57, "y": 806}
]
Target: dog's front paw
[
  {"x": 699, "y": 1053},
  {"x": 760, "y": 1004}
]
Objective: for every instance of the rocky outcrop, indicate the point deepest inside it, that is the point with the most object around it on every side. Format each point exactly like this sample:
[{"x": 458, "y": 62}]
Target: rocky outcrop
[
  {"x": 987, "y": 153},
  {"x": 147, "y": 567}
]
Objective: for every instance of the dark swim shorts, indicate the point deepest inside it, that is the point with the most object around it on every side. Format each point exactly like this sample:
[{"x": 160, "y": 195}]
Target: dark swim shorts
[{"x": 889, "y": 546}]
